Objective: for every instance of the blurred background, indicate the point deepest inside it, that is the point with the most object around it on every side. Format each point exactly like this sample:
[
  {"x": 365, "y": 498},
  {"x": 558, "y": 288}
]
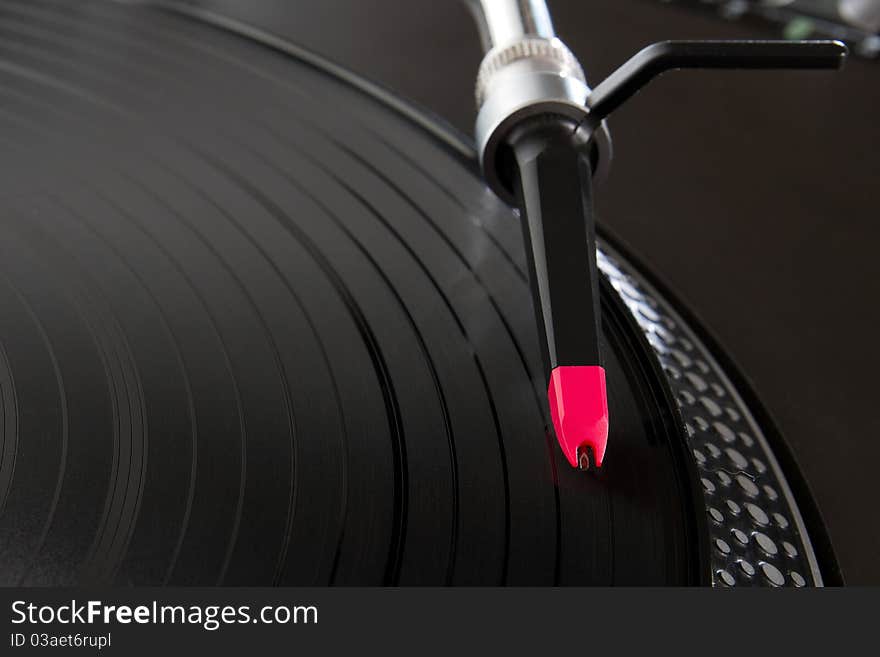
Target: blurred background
[{"x": 754, "y": 195}]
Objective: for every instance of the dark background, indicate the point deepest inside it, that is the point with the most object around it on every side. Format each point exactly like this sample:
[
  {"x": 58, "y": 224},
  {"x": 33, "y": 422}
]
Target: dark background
[{"x": 754, "y": 195}]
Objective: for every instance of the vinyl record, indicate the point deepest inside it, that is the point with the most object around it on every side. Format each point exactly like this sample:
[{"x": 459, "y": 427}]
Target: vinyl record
[{"x": 264, "y": 324}]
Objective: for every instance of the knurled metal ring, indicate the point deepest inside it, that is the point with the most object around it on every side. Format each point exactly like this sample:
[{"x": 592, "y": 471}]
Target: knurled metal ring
[{"x": 558, "y": 57}]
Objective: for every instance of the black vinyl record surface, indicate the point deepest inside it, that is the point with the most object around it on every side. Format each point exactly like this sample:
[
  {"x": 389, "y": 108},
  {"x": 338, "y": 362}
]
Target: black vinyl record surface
[{"x": 259, "y": 326}]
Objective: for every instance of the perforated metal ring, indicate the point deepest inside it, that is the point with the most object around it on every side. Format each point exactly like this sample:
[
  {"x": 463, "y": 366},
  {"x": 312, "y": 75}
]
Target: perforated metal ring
[{"x": 758, "y": 536}]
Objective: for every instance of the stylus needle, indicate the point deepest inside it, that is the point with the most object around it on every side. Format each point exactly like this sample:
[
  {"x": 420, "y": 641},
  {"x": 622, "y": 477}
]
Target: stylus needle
[
  {"x": 553, "y": 184},
  {"x": 579, "y": 409}
]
